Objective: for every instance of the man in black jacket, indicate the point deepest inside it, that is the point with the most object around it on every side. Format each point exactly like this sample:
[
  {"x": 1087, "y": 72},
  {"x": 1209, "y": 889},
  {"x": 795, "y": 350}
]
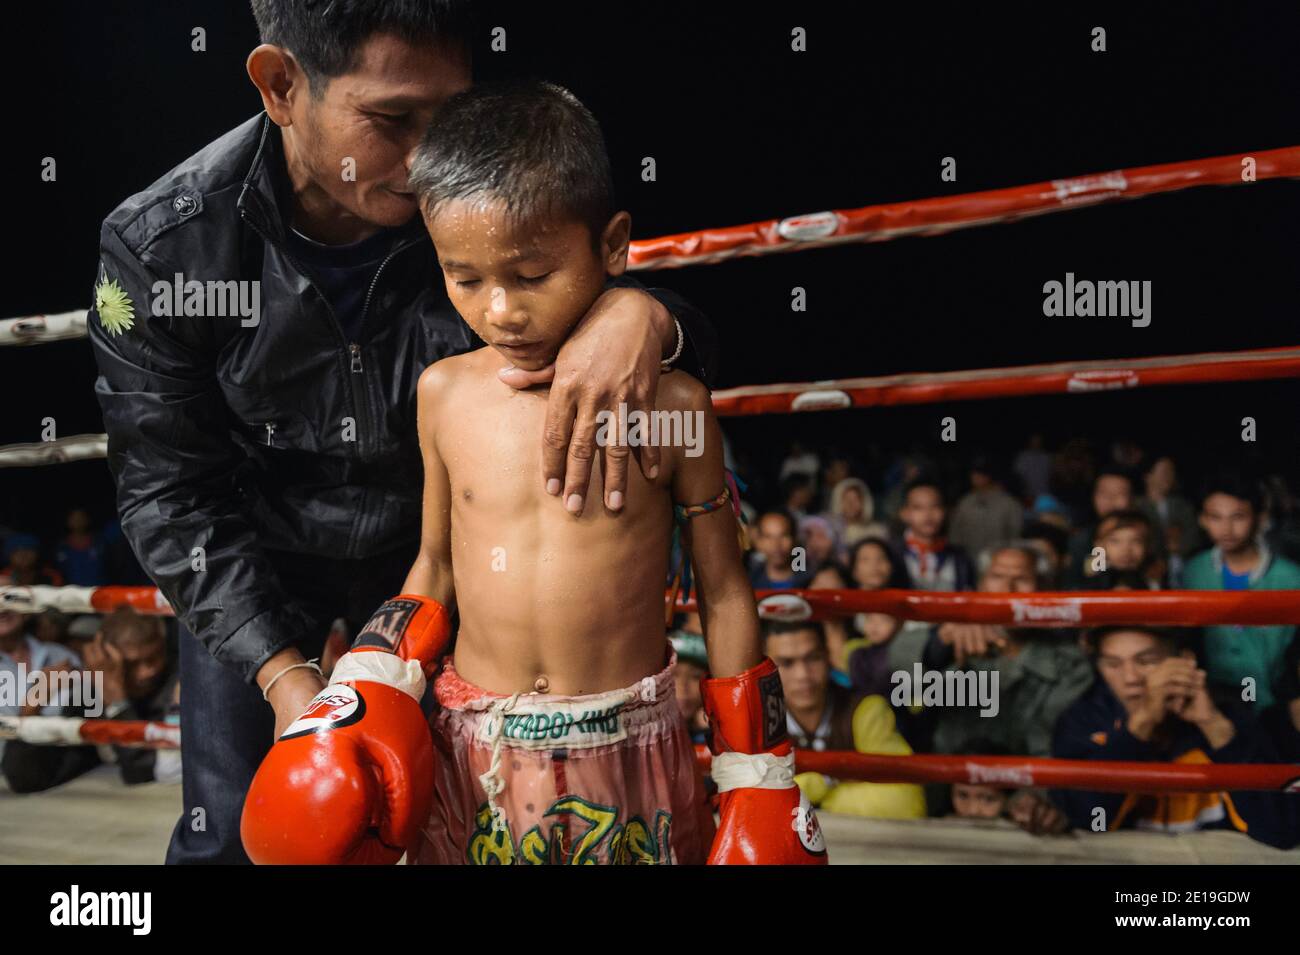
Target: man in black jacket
[{"x": 262, "y": 314}]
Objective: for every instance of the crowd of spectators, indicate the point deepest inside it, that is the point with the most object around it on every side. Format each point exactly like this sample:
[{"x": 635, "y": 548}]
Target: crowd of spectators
[{"x": 1063, "y": 519}]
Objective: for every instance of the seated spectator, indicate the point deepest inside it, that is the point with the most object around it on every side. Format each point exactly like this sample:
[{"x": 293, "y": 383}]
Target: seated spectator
[
  {"x": 822, "y": 716},
  {"x": 21, "y": 653},
  {"x": 1239, "y": 560},
  {"x": 1112, "y": 490},
  {"x": 987, "y": 514},
  {"x": 139, "y": 683},
  {"x": 932, "y": 563},
  {"x": 1039, "y": 671},
  {"x": 798, "y": 493},
  {"x": 774, "y": 541},
  {"x": 24, "y": 568},
  {"x": 839, "y": 631},
  {"x": 1154, "y": 704},
  {"x": 1052, "y": 542},
  {"x": 851, "y": 511},
  {"x": 1171, "y": 514},
  {"x": 80, "y": 556},
  {"x": 51, "y": 626},
  {"x": 1122, "y": 543},
  {"x": 692, "y": 666},
  {"x": 972, "y": 801},
  {"x": 874, "y": 567},
  {"x": 1031, "y": 809},
  {"x": 820, "y": 542},
  {"x": 1033, "y": 465},
  {"x": 1282, "y": 720}
]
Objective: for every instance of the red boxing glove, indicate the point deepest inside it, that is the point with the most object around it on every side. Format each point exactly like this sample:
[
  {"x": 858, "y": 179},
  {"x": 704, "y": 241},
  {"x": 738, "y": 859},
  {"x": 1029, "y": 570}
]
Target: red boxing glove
[
  {"x": 766, "y": 819},
  {"x": 351, "y": 780}
]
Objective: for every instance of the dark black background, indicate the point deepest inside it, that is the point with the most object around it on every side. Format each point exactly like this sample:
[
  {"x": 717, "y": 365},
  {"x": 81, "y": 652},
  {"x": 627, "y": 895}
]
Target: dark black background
[{"x": 744, "y": 129}]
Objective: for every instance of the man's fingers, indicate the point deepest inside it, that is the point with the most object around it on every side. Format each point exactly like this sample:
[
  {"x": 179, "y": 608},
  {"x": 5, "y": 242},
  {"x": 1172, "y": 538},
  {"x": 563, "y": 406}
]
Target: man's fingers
[
  {"x": 615, "y": 456},
  {"x": 555, "y": 438},
  {"x": 519, "y": 379},
  {"x": 582, "y": 454}
]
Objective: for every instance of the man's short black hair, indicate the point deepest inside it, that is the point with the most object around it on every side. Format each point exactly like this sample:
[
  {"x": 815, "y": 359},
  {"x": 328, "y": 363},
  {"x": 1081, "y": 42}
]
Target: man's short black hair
[
  {"x": 784, "y": 515},
  {"x": 1115, "y": 470},
  {"x": 1234, "y": 483},
  {"x": 775, "y": 628},
  {"x": 530, "y": 144},
  {"x": 925, "y": 480},
  {"x": 1174, "y": 639},
  {"x": 324, "y": 35}
]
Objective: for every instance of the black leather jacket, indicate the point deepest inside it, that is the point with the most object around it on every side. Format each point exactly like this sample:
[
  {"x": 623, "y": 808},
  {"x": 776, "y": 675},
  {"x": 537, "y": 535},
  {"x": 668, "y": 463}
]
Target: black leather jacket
[{"x": 236, "y": 447}]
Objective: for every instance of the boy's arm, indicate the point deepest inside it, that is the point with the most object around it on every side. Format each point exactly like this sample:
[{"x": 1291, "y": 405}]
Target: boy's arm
[
  {"x": 765, "y": 819},
  {"x": 430, "y": 575},
  {"x": 727, "y": 606}
]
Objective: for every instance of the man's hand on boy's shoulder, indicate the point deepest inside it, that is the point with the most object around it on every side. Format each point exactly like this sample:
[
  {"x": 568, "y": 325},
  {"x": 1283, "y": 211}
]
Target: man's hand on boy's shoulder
[{"x": 611, "y": 358}]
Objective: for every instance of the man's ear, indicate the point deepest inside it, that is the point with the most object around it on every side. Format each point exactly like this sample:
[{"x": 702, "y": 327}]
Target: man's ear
[
  {"x": 614, "y": 241},
  {"x": 1187, "y": 654},
  {"x": 279, "y": 79}
]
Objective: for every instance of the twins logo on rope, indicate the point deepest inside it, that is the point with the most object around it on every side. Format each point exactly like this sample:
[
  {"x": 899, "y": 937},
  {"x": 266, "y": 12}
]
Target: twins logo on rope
[{"x": 581, "y": 833}]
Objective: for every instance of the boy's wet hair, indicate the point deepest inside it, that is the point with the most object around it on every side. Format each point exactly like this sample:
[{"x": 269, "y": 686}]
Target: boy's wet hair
[
  {"x": 325, "y": 35},
  {"x": 527, "y": 143}
]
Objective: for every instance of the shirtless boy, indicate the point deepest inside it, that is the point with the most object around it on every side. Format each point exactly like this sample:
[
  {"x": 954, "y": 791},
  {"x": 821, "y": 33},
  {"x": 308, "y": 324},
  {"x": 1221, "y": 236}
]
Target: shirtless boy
[{"x": 556, "y": 736}]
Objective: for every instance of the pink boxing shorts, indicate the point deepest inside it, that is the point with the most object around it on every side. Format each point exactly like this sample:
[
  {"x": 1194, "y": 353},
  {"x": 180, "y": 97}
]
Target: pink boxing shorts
[{"x": 608, "y": 778}]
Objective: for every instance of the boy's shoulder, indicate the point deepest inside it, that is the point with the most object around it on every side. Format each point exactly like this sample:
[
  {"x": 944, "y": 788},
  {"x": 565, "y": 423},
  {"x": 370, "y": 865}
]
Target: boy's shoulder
[{"x": 443, "y": 374}]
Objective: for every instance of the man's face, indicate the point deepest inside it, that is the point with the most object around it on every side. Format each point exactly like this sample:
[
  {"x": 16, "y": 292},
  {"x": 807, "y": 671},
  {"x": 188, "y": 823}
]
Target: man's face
[
  {"x": 804, "y": 665},
  {"x": 1229, "y": 521},
  {"x": 977, "y": 802},
  {"x": 1010, "y": 572},
  {"x": 923, "y": 512},
  {"x": 370, "y": 119},
  {"x": 687, "y": 678},
  {"x": 775, "y": 541},
  {"x": 1125, "y": 547},
  {"x": 1111, "y": 493},
  {"x": 1124, "y": 660},
  {"x": 144, "y": 664},
  {"x": 521, "y": 287}
]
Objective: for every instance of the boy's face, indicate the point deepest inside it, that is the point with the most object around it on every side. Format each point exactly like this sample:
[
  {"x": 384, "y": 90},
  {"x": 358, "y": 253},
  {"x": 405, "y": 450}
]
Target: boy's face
[
  {"x": 977, "y": 802},
  {"x": 1229, "y": 521},
  {"x": 522, "y": 287},
  {"x": 923, "y": 512},
  {"x": 1125, "y": 547}
]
